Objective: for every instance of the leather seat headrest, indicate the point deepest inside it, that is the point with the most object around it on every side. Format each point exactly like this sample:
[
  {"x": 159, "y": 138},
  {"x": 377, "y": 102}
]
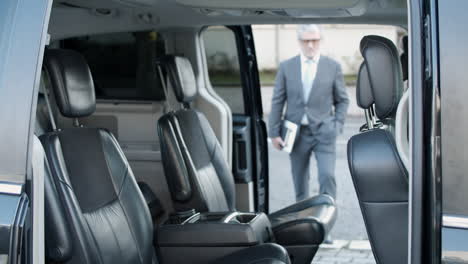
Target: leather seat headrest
[
  {"x": 384, "y": 72},
  {"x": 364, "y": 97},
  {"x": 71, "y": 82},
  {"x": 181, "y": 76}
]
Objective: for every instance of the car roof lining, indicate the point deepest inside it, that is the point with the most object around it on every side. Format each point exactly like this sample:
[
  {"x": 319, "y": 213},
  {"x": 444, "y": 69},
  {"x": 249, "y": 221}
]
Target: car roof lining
[{"x": 71, "y": 18}]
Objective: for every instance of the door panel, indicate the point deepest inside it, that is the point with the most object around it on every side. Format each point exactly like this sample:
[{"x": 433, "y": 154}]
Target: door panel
[
  {"x": 242, "y": 157},
  {"x": 233, "y": 74},
  {"x": 242, "y": 168}
]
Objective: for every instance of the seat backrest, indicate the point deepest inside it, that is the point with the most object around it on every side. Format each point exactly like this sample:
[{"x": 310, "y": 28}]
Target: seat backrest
[
  {"x": 195, "y": 167},
  {"x": 379, "y": 177},
  {"x": 107, "y": 220}
]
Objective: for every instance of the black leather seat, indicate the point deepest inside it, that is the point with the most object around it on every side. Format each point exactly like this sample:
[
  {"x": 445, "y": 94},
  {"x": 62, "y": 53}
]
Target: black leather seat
[
  {"x": 95, "y": 212},
  {"x": 199, "y": 177},
  {"x": 380, "y": 179}
]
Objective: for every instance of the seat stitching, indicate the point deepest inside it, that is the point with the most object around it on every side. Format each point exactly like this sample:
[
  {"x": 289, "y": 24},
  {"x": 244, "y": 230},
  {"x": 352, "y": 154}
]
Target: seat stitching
[
  {"x": 119, "y": 193},
  {"x": 95, "y": 241},
  {"x": 397, "y": 157},
  {"x": 219, "y": 181},
  {"x": 50, "y": 140},
  {"x": 131, "y": 231},
  {"x": 202, "y": 187},
  {"x": 223, "y": 194},
  {"x": 122, "y": 155},
  {"x": 66, "y": 184},
  {"x": 188, "y": 159},
  {"x": 210, "y": 181},
  {"x": 212, "y": 151},
  {"x": 107, "y": 161},
  {"x": 113, "y": 232},
  {"x": 208, "y": 187},
  {"x": 124, "y": 179}
]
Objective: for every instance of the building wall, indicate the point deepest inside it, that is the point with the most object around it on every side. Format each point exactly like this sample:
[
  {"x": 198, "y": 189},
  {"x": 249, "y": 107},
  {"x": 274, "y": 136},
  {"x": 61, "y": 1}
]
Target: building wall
[{"x": 275, "y": 43}]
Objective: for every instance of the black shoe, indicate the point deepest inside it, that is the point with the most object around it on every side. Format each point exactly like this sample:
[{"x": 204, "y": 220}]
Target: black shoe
[{"x": 328, "y": 240}]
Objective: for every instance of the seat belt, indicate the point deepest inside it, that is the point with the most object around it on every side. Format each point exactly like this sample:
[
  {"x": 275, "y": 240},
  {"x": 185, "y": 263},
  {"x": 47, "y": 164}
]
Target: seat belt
[
  {"x": 167, "y": 108},
  {"x": 45, "y": 83}
]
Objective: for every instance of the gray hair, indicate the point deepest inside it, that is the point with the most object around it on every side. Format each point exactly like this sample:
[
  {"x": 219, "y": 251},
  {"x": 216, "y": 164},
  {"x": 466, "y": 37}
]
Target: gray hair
[{"x": 308, "y": 28}]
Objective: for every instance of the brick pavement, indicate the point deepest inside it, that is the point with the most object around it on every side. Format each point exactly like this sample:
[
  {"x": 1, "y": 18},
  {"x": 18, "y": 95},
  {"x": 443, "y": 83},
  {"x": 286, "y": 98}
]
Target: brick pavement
[{"x": 352, "y": 252}]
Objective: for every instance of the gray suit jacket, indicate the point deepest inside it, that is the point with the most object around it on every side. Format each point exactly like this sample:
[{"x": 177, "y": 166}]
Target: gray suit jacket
[{"x": 327, "y": 103}]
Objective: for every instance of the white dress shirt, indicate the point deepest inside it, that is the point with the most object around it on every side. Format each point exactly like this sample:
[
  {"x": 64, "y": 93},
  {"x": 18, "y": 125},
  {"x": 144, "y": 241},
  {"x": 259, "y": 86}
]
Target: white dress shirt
[{"x": 308, "y": 72}]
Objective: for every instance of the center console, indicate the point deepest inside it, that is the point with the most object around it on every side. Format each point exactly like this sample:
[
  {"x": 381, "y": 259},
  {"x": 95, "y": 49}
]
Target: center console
[{"x": 190, "y": 237}]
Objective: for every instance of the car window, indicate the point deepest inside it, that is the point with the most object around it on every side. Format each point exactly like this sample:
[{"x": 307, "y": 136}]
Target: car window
[
  {"x": 223, "y": 66},
  {"x": 122, "y": 64}
]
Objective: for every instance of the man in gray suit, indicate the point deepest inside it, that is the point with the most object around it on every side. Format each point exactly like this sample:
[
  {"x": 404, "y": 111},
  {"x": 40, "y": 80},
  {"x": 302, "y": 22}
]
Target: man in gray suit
[{"x": 312, "y": 89}]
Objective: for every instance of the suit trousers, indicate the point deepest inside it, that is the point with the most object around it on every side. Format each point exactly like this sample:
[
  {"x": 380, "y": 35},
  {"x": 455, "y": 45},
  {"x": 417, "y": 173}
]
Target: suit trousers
[{"x": 325, "y": 153}]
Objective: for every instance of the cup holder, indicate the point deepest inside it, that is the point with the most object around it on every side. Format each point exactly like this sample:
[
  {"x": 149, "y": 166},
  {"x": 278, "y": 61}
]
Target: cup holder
[
  {"x": 181, "y": 216},
  {"x": 191, "y": 217},
  {"x": 239, "y": 218}
]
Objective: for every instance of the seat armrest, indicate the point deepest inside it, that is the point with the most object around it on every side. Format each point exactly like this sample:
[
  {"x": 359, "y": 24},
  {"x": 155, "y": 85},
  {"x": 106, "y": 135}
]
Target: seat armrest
[
  {"x": 305, "y": 223},
  {"x": 228, "y": 230},
  {"x": 206, "y": 235}
]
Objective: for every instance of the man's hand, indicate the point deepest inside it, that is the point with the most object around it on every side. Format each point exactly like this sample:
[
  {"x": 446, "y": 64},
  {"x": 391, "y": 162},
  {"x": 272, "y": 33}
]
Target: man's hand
[
  {"x": 339, "y": 128},
  {"x": 277, "y": 143}
]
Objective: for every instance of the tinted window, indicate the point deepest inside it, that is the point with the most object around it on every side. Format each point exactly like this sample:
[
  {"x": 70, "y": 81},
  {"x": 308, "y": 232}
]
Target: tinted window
[
  {"x": 223, "y": 66},
  {"x": 122, "y": 64}
]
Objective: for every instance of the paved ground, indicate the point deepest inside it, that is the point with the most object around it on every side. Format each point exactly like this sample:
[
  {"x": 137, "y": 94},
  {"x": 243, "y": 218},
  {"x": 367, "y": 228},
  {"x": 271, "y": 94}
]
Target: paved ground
[{"x": 344, "y": 255}]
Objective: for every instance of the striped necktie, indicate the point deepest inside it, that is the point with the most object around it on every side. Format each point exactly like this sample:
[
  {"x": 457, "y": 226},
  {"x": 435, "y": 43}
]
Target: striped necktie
[{"x": 308, "y": 78}]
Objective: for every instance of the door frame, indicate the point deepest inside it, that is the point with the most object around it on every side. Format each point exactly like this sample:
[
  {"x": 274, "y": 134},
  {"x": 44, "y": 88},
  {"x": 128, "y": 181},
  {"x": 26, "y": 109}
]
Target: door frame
[
  {"x": 253, "y": 108},
  {"x": 425, "y": 188},
  {"x": 24, "y": 37}
]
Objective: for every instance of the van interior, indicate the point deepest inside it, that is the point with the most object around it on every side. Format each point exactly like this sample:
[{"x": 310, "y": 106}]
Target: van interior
[{"x": 146, "y": 163}]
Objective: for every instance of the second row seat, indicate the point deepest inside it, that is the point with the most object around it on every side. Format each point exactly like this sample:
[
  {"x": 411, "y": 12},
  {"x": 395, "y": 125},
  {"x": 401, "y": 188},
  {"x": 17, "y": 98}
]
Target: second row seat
[
  {"x": 199, "y": 177},
  {"x": 94, "y": 210}
]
